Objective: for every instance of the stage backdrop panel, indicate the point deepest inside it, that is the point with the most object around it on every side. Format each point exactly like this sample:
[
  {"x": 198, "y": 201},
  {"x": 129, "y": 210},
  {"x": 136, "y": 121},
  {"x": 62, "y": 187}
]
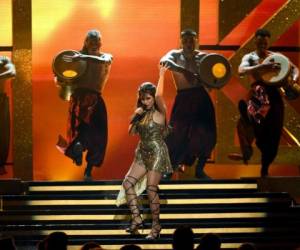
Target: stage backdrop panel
[{"x": 136, "y": 33}]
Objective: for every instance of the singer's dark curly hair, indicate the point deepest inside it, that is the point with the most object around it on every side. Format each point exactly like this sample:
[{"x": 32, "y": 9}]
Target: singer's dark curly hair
[{"x": 146, "y": 88}]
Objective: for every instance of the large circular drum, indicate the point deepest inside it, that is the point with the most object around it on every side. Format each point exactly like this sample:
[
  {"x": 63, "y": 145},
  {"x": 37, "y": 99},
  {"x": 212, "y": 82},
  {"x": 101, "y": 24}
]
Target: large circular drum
[
  {"x": 276, "y": 77},
  {"x": 67, "y": 69},
  {"x": 214, "y": 70}
]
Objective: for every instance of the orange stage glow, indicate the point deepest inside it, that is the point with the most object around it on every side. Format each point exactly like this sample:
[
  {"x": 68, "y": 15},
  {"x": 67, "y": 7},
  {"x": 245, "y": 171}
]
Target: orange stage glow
[
  {"x": 137, "y": 33},
  {"x": 208, "y": 22},
  {"x": 47, "y": 16},
  {"x": 106, "y": 8}
]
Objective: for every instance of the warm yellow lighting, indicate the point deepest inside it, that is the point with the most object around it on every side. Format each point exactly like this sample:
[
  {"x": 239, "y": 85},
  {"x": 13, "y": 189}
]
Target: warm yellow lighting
[
  {"x": 219, "y": 70},
  {"x": 295, "y": 140},
  {"x": 6, "y": 22},
  {"x": 102, "y": 217},
  {"x": 47, "y": 15},
  {"x": 105, "y": 7},
  {"x": 145, "y": 231},
  {"x": 214, "y": 215},
  {"x": 117, "y": 187},
  {"x": 216, "y": 201},
  {"x": 208, "y": 186},
  {"x": 69, "y": 73},
  {"x": 100, "y": 202}
]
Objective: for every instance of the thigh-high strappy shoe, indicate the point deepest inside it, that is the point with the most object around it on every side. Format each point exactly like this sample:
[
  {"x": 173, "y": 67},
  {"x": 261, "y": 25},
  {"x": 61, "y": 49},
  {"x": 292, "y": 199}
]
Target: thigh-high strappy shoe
[
  {"x": 155, "y": 210},
  {"x": 136, "y": 221},
  {"x": 155, "y": 232}
]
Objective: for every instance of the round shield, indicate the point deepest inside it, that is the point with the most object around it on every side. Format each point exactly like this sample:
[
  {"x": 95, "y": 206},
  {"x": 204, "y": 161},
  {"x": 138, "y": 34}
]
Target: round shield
[
  {"x": 67, "y": 69},
  {"x": 214, "y": 70},
  {"x": 276, "y": 77}
]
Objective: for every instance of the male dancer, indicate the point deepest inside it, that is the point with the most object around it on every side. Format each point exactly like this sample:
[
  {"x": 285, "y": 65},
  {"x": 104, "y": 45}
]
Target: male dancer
[
  {"x": 87, "y": 112},
  {"x": 193, "y": 116},
  {"x": 262, "y": 114},
  {"x": 7, "y": 70}
]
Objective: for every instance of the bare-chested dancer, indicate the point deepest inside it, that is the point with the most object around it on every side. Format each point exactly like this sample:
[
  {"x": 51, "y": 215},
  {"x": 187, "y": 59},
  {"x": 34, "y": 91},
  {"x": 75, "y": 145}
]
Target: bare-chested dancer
[
  {"x": 7, "y": 70},
  {"x": 193, "y": 115},
  {"x": 87, "y": 112}
]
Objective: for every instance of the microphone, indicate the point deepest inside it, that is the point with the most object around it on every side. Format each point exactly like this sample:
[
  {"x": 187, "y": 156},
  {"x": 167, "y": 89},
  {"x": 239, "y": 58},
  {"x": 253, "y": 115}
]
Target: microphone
[{"x": 137, "y": 117}]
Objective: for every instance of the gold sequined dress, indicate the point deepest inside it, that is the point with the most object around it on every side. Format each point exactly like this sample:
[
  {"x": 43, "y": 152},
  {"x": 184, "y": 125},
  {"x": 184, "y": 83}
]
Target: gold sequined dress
[{"x": 152, "y": 151}]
